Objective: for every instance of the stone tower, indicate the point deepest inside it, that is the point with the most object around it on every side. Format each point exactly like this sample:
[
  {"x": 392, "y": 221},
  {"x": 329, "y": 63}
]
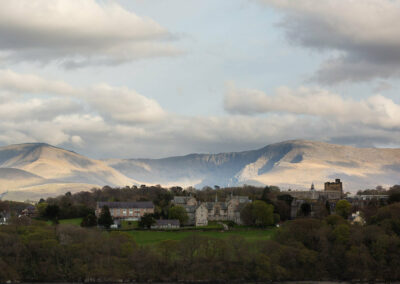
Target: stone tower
[{"x": 337, "y": 186}]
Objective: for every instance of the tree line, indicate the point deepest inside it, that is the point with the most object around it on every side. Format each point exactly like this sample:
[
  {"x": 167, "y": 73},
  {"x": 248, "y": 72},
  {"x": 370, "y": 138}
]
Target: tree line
[
  {"x": 82, "y": 204},
  {"x": 303, "y": 249}
]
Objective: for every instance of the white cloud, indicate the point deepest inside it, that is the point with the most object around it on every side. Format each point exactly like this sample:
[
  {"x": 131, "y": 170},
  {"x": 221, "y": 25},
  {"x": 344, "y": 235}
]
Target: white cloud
[
  {"x": 118, "y": 104},
  {"x": 78, "y": 32},
  {"x": 365, "y": 34},
  {"x": 377, "y": 111},
  {"x": 29, "y": 83},
  {"x": 123, "y": 105},
  {"x": 105, "y": 121}
]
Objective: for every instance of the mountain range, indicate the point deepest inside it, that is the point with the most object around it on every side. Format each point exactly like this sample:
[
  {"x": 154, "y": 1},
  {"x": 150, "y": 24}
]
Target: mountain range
[{"x": 35, "y": 170}]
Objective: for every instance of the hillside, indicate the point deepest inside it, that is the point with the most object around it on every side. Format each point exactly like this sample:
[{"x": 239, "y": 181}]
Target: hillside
[
  {"x": 294, "y": 164},
  {"x": 34, "y": 166},
  {"x": 40, "y": 170}
]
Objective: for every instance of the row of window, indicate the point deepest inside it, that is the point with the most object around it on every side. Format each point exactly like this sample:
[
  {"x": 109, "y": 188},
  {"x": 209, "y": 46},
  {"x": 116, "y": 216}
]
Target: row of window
[{"x": 125, "y": 212}]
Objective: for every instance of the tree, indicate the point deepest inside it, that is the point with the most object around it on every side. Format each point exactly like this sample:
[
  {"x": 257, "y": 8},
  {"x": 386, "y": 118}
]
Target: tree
[
  {"x": 343, "y": 208},
  {"x": 258, "y": 213},
  {"x": 89, "y": 220},
  {"x": 52, "y": 212},
  {"x": 178, "y": 212},
  {"x": 146, "y": 221},
  {"x": 263, "y": 213},
  {"x": 41, "y": 208},
  {"x": 394, "y": 194},
  {"x": 105, "y": 218}
]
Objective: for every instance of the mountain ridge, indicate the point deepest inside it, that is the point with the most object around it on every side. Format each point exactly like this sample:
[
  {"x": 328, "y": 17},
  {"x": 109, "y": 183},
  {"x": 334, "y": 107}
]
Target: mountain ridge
[
  {"x": 51, "y": 170},
  {"x": 259, "y": 162}
]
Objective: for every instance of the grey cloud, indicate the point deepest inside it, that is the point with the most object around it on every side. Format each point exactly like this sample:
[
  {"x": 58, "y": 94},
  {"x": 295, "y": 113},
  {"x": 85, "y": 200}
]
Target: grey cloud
[
  {"x": 364, "y": 34},
  {"x": 78, "y": 33},
  {"x": 118, "y": 104},
  {"x": 375, "y": 111},
  {"x": 120, "y": 123}
]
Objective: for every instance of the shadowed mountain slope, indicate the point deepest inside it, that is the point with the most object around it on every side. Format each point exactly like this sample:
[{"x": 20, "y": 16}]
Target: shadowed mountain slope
[
  {"x": 294, "y": 164},
  {"x": 38, "y": 169}
]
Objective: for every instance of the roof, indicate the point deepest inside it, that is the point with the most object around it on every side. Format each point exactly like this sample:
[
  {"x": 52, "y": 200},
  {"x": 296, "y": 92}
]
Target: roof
[
  {"x": 135, "y": 204},
  {"x": 190, "y": 208},
  {"x": 240, "y": 198},
  {"x": 181, "y": 199},
  {"x": 172, "y": 222},
  {"x": 222, "y": 205}
]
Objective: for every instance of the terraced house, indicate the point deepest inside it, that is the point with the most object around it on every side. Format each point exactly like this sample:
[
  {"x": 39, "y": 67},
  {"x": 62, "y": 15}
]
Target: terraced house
[{"x": 132, "y": 211}]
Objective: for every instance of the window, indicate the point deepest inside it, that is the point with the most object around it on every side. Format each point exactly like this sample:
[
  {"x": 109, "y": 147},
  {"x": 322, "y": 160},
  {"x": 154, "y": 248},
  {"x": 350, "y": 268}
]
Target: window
[
  {"x": 130, "y": 212},
  {"x": 124, "y": 212}
]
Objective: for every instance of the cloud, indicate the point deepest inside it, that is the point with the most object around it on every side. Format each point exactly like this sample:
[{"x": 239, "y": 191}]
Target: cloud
[
  {"x": 119, "y": 104},
  {"x": 77, "y": 33},
  {"x": 376, "y": 111},
  {"x": 22, "y": 83},
  {"x": 123, "y": 105},
  {"x": 104, "y": 121},
  {"x": 364, "y": 35}
]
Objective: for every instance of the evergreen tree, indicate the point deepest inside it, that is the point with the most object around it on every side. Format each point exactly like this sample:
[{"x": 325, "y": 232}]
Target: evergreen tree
[
  {"x": 146, "y": 221},
  {"x": 89, "y": 220},
  {"x": 105, "y": 218}
]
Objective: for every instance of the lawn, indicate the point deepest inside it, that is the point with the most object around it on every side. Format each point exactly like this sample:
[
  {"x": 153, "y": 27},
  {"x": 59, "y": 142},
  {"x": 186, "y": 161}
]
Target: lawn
[
  {"x": 153, "y": 237},
  {"x": 74, "y": 221},
  {"x": 125, "y": 225}
]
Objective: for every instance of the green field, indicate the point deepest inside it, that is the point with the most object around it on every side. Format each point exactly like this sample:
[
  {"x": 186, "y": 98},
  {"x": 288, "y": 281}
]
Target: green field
[
  {"x": 153, "y": 237},
  {"x": 126, "y": 225},
  {"x": 74, "y": 221}
]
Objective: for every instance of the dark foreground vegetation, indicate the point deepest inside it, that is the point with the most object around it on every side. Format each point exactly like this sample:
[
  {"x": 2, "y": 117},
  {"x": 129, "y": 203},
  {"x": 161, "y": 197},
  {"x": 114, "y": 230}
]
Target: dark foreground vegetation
[
  {"x": 303, "y": 249},
  {"x": 322, "y": 247}
]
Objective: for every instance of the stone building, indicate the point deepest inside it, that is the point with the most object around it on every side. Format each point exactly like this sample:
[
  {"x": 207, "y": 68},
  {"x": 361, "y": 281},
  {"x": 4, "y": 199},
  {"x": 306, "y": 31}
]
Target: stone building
[
  {"x": 166, "y": 224},
  {"x": 333, "y": 192},
  {"x": 132, "y": 211},
  {"x": 200, "y": 213},
  {"x": 361, "y": 201},
  {"x": 337, "y": 186}
]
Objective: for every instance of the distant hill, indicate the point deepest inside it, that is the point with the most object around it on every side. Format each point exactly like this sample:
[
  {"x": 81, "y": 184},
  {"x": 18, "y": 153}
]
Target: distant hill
[
  {"x": 27, "y": 168},
  {"x": 39, "y": 170},
  {"x": 294, "y": 164}
]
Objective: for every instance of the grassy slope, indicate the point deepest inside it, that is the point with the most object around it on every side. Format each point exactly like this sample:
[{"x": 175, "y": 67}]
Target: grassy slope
[
  {"x": 74, "y": 221},
  {"x": 153, "y": 237}
]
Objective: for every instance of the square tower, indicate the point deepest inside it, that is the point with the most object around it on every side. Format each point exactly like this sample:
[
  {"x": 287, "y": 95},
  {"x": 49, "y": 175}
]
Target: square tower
[{"x": 337, "y": 186}]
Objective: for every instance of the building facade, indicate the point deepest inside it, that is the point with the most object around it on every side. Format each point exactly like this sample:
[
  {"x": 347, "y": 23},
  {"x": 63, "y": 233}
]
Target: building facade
[
  {"x": 132, "y": 211},
  {"x": 200, "y": 213},
  {"x": 166, "y": 224},
  {"x": 333, "y": 192}
]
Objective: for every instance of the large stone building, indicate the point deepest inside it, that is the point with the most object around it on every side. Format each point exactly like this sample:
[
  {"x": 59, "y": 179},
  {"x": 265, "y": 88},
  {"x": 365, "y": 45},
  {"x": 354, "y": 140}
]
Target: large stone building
[
  {"x": 132, "y": 211},
  {"x": 201, "y": 212},
  {"x": 333, "y": 192}
]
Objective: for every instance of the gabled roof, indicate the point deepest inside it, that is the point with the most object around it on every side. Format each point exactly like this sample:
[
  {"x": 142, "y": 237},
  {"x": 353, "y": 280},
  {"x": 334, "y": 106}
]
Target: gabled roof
[
  {"x": 222, "y": 205},
  {"x": 135, "y": 204}
]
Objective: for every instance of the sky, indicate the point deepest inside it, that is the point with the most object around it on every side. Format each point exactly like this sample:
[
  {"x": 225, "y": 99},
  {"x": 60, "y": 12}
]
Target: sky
[{"x": 158, "y": 78}]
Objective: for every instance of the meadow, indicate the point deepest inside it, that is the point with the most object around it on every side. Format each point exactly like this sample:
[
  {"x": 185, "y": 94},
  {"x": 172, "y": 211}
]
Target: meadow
[
  {"x": 154, "y": 237},
  {"x": 149, "y": 237}
]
